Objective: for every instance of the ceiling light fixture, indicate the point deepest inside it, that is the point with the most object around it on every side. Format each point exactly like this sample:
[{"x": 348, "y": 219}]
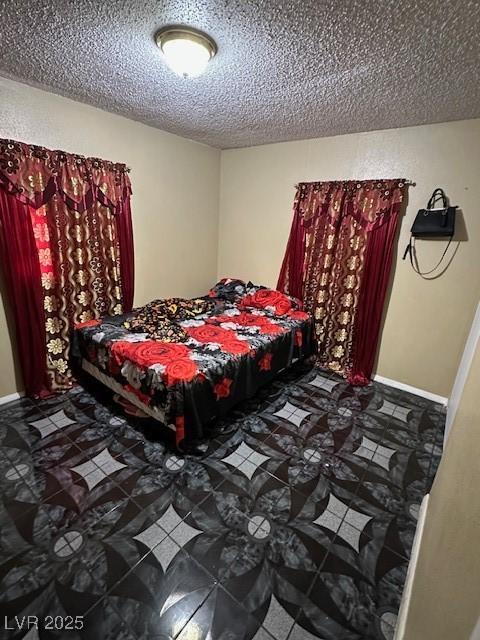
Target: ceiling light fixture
[{"x": 187, "y": 51}]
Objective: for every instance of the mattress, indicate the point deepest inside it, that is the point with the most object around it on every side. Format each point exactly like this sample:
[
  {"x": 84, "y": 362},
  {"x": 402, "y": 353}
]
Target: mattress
[{"x": 228, "y": 354}]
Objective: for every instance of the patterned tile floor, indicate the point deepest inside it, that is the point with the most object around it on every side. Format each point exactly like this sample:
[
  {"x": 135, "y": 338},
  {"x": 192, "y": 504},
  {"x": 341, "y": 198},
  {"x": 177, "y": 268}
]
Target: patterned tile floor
[{"x": 294, "y": 521}]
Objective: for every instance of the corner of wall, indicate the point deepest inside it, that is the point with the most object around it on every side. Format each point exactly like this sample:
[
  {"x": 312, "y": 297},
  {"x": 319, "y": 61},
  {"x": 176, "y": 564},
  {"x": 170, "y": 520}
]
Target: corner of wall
[
  {"x": 412, "y": 565},
  {"x": 220, "y": 204}
]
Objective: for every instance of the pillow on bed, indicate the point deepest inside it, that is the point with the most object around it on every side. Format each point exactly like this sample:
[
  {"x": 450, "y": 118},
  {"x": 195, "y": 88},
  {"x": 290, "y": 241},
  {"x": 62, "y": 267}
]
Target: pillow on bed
[
  {"x": 271, "y": 300},
  {"x": 230, "y": 289},
  {"x": 179, "y": 309},
  {"x": 156, "y": 325},
  {"x": 247, "y": 294},
  {"x": 160, "y": 318}
]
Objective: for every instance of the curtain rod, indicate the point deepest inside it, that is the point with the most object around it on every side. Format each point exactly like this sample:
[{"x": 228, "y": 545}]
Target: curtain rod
[{"x": 408, "y": 183}]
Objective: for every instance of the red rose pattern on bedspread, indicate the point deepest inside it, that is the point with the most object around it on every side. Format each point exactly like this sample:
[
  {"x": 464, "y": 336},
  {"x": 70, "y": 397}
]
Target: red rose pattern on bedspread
[{"x": 254, "y": 333}]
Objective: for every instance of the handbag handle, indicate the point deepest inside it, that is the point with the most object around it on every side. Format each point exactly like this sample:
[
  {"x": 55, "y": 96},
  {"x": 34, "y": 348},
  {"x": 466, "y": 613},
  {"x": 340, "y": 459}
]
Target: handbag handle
[
  {"x": 410, "y": 249},
  {"x": 438, "y": 194}
]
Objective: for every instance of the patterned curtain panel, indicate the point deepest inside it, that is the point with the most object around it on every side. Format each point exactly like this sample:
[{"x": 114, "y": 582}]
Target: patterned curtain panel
[
  {"x": 338, "y": 261},
  {"x": 72, "y": 216}
]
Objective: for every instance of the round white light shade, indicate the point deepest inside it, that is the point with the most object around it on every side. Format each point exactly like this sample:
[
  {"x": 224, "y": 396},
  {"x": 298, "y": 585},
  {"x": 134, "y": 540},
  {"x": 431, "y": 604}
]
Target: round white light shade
[{"x": 186, "y": 51}]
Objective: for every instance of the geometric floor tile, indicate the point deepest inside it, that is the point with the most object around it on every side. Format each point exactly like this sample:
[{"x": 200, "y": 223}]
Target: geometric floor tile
[
  {"x": 312, "y": 455},
  {"x": 151, "y": 536},
  {"x": 238, "y": 459},
  {"x": 164, "y": 546},
  {"x": 174, "y": 463},
  {"x": 259, "y": 527},
  {"x": 277, "y": 621},
  {"x": 166, "y": 551},
  {"x": 174, "y": 525},
  {"x": 169, "y": 520},
  {"x": 262, "y": 634},
  {"x": 414, "y": 510},
  {"x": 68, "y": 544},
  {"x": 263, "y": 545},
  {"x": 298, "y": 633},
  {"x": 323, "y": 383},
  {"x": 349, "y": 534},
  {"x": 388, "y": 623},
  {"x": 98, "y": 468},
  {"x": 390, "y": 408},
  {"x": 17, "y": 472},
  {"x": 372, "y": 451},
  {"x": 329, "y": 520},
  {"x": 56, "y": 421},
  {"x": 344, "y": 521},
  {"x": 292, "y": 413},
  {"x": 433, "y": 449},
  {"x": 387, "y": 407},
  {"x": 401, "y": 413},
  {"x": 183, "y": 533},
  {"x": 157, "y": 540}
]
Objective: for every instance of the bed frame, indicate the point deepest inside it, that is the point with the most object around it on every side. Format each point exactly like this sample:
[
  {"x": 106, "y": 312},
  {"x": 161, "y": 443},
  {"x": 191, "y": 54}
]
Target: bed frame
[{"x": 115, "y": 386}]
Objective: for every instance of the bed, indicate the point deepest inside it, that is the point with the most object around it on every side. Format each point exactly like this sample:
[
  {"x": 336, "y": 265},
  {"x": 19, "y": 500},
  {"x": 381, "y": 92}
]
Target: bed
[{"x": 185, "y": 363}]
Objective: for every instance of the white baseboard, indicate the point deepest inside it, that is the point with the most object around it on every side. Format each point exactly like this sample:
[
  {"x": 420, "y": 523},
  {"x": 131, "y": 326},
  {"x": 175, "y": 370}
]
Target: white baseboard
[
  {"x": 418, "y": 392},
  {"x": 11, "y": 397},
  {"x": 412, "y": 565}
]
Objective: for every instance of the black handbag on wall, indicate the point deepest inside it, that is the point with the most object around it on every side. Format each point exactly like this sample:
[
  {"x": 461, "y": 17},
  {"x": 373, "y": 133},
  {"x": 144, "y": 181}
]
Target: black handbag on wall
[{"x": 432, "y": 222}]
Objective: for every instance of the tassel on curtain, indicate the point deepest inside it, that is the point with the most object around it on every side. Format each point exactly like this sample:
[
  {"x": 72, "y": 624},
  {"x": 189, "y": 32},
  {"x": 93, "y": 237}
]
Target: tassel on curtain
[
  {"x": 338, "y": 262},
  {"x": 67, "y": 252}
]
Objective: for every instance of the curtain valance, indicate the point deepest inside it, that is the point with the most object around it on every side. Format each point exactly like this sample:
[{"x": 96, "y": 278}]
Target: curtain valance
[
  {"x": 35, "y": 174},
  {"x": 368, "y": 202}
]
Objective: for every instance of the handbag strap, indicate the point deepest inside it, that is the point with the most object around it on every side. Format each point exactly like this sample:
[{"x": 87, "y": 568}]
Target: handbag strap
[
  {"x": 438, "y": 194},
  {"x": 409, "y": 250}
]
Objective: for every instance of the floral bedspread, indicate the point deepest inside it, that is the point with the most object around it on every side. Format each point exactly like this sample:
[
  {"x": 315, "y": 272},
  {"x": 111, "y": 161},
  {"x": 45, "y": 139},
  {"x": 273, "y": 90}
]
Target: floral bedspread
[{"x": 248, "y": 334}]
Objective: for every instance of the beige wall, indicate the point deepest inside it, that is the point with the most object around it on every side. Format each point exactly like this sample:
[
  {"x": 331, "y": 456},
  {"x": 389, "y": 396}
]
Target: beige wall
[
  {"x": 445, "y": 602},
  {"x": 178, "y": 234},
  {"x": 175, "y": 192},
  {"x": 427, "y": 322}
]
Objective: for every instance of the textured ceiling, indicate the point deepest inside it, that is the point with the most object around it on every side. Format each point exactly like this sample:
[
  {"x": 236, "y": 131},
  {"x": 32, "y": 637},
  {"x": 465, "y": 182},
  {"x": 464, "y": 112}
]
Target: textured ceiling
[{"x": 285, "y": 70}]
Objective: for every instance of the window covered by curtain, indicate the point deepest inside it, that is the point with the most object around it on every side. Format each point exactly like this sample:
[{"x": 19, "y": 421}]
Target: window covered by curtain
[
  {"x": 67, "y": 251},
  {"x": 338, "y": 261}
]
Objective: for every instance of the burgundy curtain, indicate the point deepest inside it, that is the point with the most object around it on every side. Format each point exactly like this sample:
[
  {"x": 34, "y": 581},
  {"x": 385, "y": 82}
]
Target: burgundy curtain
[
  {"x": 338, "y": 261},
  {"x": 127, "y": 262},
  {"x": 291, "y": 273},
  {"x": 66, "y": 220},
  {"x": 378, "y": 264},
  {"x": 21, "y": 269}
]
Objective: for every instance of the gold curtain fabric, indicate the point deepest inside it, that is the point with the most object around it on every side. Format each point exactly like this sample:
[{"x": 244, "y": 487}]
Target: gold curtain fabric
[
  {"x": 328, "y": 258},
  {"x": 34, "y": 174},
  {"x": 75, "y": 205},
  {"x": 80, "y": 272}
]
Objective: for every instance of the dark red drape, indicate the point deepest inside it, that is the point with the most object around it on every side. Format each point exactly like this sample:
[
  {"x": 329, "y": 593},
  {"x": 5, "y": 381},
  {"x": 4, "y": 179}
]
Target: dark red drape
[
  {"x": 21, "y": 268},
  {"x": 338, "y": 262},
  {"x": 291, "y": 273},
  {"x": 378, "y": 264},
  {"x": 127, "y": 262}
]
